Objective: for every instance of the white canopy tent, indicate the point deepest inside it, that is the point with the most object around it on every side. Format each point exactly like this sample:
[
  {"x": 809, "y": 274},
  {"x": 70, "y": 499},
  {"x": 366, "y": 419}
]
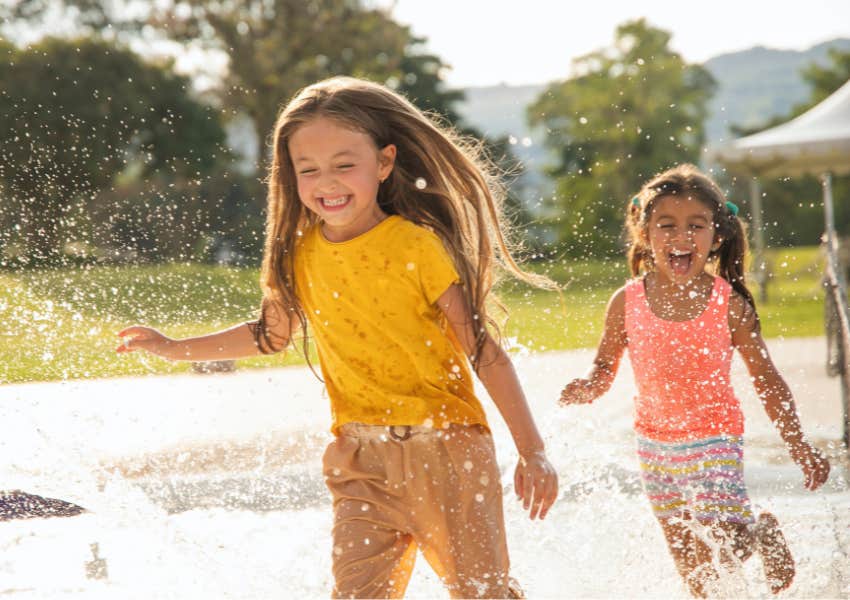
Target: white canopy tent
[{"x": 817, "y": 143}]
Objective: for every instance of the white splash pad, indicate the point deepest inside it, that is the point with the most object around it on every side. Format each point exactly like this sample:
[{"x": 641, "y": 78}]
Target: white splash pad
[{"x": 220, "y": 494}]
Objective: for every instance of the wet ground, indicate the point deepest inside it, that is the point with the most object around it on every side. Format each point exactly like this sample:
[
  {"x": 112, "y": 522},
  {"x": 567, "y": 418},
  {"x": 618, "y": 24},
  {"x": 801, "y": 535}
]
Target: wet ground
[{"x": 209, "y": 486}]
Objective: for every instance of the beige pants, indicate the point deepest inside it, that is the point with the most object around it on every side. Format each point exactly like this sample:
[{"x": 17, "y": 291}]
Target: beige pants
[{"x": 402, "y": 488}]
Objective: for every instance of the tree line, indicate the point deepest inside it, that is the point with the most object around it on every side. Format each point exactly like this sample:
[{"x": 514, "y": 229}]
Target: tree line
[{"x": 112, "y": 156}]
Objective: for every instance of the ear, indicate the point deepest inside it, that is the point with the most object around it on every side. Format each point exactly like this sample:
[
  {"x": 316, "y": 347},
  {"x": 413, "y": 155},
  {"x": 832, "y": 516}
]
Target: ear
[
  {"x": 386, "y": 161},
  {"x": 718, "y": 241}
]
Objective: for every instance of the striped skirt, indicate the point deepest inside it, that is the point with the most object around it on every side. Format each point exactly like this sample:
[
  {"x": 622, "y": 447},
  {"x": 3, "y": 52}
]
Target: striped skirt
[{"x": 702, "y": 477}]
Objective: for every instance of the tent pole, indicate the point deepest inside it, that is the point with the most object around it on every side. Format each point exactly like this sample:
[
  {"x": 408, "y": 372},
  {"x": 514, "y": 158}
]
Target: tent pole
[
  {"x": 760, "y": 264},
  {"x": 838, "y": 287}
]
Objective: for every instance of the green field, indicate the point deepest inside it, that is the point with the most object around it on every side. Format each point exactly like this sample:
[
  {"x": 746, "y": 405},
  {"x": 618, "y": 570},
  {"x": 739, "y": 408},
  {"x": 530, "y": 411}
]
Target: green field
[{"x": 62, "y": 324}]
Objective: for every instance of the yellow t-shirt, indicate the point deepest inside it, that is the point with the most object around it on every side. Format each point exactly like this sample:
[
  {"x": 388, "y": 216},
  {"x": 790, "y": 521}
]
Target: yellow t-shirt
[{"x": 387, "y": 354}]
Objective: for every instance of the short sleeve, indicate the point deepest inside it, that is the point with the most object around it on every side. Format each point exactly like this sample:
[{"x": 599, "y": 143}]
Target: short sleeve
[{"x": 436, "y": 269}]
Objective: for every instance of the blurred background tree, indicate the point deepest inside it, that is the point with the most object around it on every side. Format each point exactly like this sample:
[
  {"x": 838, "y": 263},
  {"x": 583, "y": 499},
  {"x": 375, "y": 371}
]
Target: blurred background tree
[
  {"x": 273, "y": 48},
  {"x": 276, "y": 48},
  {"x": 78, "y": 113},
  {"x": 155, "y": 193},
  {"x": 628, "y": 112},
  {"x": 145, "y": 204}
]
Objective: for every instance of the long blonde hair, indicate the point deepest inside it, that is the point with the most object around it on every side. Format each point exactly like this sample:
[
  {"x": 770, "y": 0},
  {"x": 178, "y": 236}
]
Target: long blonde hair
[{"x": 460, "y": 201}]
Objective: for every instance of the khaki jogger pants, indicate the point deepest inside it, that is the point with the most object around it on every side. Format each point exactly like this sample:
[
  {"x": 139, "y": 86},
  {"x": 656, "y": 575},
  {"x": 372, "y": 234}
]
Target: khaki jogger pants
[{"x": 396, "y": 489}]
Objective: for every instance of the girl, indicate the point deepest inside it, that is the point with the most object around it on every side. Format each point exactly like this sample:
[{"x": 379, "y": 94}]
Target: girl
[
  {"x": 382, "y": 236},
  {"x": 680, "y": 318}
]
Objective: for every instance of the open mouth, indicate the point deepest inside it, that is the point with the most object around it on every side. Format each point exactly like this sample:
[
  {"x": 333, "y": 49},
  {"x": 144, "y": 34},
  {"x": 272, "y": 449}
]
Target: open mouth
[
  {"x": 680, "y": 261},
  {"x": 334, "y": 202}
]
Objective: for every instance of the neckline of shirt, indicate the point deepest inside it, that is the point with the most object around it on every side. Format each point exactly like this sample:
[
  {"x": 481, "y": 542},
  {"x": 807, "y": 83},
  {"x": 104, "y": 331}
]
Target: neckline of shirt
[
  {"x": 711, "y": 299},
  {"x": 356, "y": 238}
]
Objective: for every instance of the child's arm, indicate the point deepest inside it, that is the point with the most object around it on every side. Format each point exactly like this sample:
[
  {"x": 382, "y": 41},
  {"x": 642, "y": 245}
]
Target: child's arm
[
  {"x": 774, "y": 392},
  {"x": 535, "y": 481},
  {"x": 239, "y": 341},
  {"x": 604, "y": 368}
]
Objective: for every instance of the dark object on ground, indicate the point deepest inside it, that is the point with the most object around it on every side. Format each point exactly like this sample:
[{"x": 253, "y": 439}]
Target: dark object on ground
[
  {"x": 214, "y": 366},
  {"x": 16, "y": 504}
]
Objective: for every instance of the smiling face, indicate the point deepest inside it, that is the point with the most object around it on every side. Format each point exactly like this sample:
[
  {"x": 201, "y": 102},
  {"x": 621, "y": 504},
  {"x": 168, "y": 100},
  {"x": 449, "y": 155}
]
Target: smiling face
[
  {"x": 681, "y": 236},
  {"x": 338, "y": 171}
]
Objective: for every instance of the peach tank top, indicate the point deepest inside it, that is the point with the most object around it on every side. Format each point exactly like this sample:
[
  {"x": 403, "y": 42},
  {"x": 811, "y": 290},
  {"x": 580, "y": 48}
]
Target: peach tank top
[{"x": 682, "y": 369}]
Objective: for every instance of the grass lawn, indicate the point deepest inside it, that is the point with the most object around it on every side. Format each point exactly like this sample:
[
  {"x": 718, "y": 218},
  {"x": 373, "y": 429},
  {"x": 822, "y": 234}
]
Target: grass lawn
[{"x": 62, "y": 324}]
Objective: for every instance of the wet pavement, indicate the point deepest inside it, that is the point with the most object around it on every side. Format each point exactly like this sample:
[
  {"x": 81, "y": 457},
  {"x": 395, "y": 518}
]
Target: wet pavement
[{"x": 209, "y": 486}]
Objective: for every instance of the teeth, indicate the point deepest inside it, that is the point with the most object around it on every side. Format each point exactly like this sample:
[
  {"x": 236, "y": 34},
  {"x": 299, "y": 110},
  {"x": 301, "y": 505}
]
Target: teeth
[
  {"x": 334, "y": 201},
  {"x": 680, "y": 252}
]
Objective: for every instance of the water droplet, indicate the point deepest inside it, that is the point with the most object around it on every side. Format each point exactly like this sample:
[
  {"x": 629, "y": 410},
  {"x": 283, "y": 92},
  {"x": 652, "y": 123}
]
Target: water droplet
[{"x": 421, "y": 184}]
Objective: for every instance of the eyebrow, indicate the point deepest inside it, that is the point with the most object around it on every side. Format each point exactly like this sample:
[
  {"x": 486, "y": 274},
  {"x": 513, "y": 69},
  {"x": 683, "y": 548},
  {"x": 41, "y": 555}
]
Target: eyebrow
[
  {"x": 701, "y": 217},
  {"x": 337, "y": 155}
]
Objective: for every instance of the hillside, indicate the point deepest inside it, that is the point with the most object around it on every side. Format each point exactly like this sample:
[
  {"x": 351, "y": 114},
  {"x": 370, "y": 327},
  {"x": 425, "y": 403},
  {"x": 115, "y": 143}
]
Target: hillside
[
  {"x": 754, "y": 85},
  {"x": 760, "y": 83}
]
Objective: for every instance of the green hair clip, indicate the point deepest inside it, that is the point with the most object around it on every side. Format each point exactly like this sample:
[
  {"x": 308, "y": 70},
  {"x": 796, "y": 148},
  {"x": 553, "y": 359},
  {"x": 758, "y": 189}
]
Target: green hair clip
[
  {"x": 733, "y": 208},
  {"x": 636, "y": 201}
]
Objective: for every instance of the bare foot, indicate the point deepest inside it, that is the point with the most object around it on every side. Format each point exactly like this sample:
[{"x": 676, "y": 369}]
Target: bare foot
[
  {"x": 515, "y": 591},
  {"x": 702, "y": 581},
  {"x": 775, "y": 556}
]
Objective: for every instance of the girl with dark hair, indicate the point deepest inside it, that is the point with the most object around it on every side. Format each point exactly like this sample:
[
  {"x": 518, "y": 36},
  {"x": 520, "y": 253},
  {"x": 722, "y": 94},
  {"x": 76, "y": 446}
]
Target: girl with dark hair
[
  {"x": 681, "y": 316},
  {"x": 384, "y": 232}
]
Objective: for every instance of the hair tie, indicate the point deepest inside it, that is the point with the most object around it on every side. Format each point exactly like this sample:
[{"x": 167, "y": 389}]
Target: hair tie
[
  {"x": 733, "y": 208},
  {"x": 636, "y": 201}
]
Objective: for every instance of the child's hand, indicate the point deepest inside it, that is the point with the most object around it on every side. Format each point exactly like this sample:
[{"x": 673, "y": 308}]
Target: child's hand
[
  {"x": 143, "y": 338},
  {"x": 576, "y": 392},
  {"x": 536, "y": 483},
  {"x": 814, "y": 464}
]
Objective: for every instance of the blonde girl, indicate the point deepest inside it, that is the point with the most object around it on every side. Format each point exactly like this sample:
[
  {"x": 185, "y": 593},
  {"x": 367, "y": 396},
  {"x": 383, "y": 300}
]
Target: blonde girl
[
  {"x": 383, "y": 234},
  {"x": 681, "y": 317}
]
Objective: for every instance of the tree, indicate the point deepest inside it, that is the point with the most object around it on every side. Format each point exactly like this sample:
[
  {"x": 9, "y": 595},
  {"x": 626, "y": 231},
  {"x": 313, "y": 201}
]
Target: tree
[
  {"x": 824, "y": 80},
  {"x": 630, "y": 111},
  {"x": 273, "y": 47},
  {"x": 76, "y": 113}
]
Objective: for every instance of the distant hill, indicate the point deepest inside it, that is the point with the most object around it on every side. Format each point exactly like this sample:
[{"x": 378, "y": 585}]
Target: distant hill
[
  {"x": 754, "y": 86},
  {"x": 500, "y": 111},
  {"x": 758, "y": 84}
]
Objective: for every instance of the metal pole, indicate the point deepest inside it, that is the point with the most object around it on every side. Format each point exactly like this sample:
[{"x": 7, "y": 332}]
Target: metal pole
[
  {"x": 838, "y": 287},
  {"x": 759, "y": 265},
  {"x": 828, "y": 208}
]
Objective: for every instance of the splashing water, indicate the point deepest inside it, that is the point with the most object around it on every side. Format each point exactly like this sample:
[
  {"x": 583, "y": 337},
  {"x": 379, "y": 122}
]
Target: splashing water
[{"x": 211, "y": 487}]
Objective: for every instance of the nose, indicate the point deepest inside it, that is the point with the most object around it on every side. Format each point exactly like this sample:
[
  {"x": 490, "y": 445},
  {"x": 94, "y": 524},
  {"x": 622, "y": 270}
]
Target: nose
[
  {"x": 680, "y": 233},
  {"x": 675, "y": 238},
  {"x": 326, "y": 183}
]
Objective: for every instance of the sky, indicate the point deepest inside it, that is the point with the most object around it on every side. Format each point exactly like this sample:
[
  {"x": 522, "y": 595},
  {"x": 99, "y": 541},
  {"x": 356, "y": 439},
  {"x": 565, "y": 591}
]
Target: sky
[{"x": 488, "y": 42}]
